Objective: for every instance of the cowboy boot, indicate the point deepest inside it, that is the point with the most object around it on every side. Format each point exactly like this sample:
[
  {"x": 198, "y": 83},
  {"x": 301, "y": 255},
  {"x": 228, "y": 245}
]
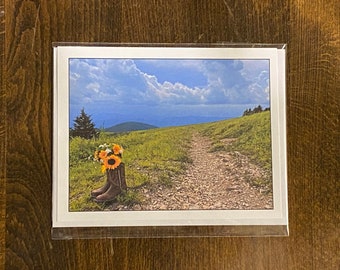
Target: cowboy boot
[
  {"x": 101, "y": 190},
  {"x": 114, "y": 177},
  {"x": 121, "y": 176}
]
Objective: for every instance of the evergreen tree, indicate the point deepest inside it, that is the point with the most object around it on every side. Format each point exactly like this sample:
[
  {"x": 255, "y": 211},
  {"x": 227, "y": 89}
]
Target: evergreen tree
[
  {"x": 246, "y": 112},
  {"x": 257, "y": 109},
  {"x": 83, "y": 126}
]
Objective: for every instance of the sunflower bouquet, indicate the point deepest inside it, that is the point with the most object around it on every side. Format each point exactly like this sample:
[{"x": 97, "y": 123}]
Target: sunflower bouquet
[
  {"x": 111, "y": 158},
  {"x": 110, "y": 155}
]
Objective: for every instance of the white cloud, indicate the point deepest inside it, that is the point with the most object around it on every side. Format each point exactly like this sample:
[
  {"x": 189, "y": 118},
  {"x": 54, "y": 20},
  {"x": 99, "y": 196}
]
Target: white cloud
[
  {"x": 256, "y": 73},
  {"x": 121, "y": 81},
  {"x": 94, "y": 87}
]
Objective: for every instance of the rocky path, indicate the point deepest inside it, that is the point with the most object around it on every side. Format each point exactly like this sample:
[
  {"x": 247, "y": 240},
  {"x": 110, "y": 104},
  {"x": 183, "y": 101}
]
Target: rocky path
[{"x": 218, "y": 180}]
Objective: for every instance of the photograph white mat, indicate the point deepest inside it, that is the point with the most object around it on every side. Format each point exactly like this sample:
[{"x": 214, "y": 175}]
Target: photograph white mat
[{"x": 62, "y": 217}]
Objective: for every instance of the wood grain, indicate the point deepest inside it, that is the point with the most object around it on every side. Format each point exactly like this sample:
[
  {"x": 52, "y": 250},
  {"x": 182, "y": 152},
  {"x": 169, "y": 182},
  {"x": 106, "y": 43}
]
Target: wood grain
[
  {"x": 311, "y": 29},
  {"x": 2, "y": 136}
]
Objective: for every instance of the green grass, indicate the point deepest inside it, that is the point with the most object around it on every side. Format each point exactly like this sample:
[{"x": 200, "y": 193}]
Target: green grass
[
  {"x": 252, "y": 134},
  {"x": 156, "y": 156},
  {"x": 152, "y": 156}
]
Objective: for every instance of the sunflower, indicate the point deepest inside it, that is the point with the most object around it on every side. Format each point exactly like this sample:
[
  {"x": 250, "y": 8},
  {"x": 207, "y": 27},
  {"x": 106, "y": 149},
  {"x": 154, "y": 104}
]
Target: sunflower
[
  {"x": 102, "y": 154},
  {"x": 117, "y": 149},
  {"x": 112, "y": 162},
  {"x": 96, "y": 155}
]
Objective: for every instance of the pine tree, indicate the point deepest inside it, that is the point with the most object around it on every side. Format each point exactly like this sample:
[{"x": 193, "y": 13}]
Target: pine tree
[
  {"x": 246, "y": 112},
  {"x": 83, "y": 126},
  {"x": 258, "y": 109}
]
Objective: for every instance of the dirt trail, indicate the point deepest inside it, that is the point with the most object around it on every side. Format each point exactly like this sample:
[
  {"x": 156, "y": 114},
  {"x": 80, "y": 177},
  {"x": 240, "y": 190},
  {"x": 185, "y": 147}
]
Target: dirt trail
[{"x": 218, "y": 180}]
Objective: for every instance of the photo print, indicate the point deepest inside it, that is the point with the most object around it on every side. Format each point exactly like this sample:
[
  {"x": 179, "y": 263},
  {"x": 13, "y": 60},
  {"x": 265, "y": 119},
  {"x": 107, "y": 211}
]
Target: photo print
[{"x": 169, "y": 136}]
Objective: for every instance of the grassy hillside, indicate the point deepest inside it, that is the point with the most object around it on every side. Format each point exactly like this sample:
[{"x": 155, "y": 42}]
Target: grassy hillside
[
  {"x": 156, "y": 156},
  {"x": 152, "y": 156},
  {"x": 252, "y": 134}
]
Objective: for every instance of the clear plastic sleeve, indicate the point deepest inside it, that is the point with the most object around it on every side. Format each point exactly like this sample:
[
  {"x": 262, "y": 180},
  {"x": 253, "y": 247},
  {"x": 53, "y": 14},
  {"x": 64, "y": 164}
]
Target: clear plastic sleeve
[{"x": 200, "y": 129}]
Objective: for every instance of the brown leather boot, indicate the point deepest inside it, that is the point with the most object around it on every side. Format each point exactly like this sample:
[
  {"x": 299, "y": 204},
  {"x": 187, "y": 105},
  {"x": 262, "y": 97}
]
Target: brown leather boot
[
  {"x": 116, "y": 178},
  {"x": 121, "y": 177},
  {"x": 101, "y": 190}
]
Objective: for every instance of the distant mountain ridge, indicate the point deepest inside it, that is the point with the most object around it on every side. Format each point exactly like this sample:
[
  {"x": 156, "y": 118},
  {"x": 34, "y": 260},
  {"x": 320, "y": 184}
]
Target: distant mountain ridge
[{"x": 129, "y": 126}]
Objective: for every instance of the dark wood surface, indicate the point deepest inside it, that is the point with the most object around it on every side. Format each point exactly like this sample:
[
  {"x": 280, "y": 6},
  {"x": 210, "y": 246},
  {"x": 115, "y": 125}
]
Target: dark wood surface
[
  {"x": 2, "y": 136},
  {"x": 311, "y": 30}
]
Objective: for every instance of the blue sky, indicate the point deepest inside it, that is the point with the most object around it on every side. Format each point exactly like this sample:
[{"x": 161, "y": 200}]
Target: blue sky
[{"x": 166, "y": 92}]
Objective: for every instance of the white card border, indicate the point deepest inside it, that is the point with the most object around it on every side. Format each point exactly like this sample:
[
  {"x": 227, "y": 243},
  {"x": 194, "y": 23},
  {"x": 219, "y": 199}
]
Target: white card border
[{"x": 62, "y": 217}]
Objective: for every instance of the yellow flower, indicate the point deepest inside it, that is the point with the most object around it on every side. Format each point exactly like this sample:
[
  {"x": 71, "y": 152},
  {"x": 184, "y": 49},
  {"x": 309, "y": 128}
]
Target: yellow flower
[
  {"x": 112, "y": 162},
  {"x": 96, "y": 155},
  {"x": 117, "y": 149},
  {"x": 103, "y": 168},
  {"x": 102, "y": 154}
]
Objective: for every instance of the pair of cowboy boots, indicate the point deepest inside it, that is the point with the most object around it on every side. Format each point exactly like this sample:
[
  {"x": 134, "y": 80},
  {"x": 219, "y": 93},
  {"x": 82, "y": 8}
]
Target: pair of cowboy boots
[{"x": 115, "y": 185}]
